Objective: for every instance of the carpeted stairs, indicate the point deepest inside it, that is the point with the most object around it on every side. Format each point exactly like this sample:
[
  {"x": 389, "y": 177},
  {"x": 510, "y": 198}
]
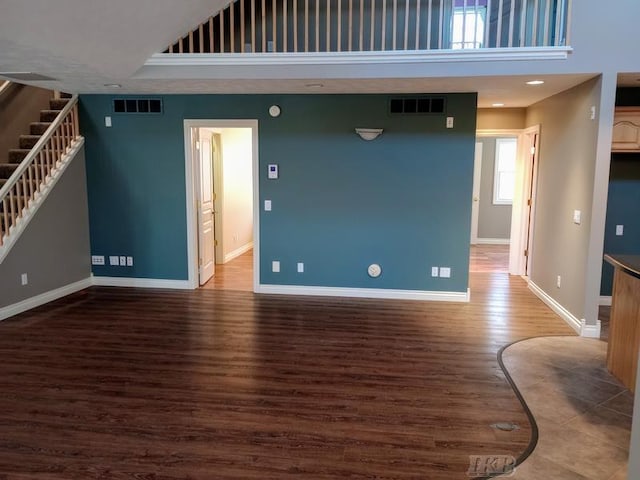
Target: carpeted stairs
[{"x": 27, "y": 142}]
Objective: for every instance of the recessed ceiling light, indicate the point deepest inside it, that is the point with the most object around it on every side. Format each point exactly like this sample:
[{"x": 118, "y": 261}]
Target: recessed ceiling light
[
  {"x": 112, "y": 85},
  {"x": 314, "y": 85},
  {"x": 535, "y": 82},
  {"x": 498, "y": 104}
]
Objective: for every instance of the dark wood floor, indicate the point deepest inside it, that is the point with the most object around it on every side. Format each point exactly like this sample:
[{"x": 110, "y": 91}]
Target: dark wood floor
[{"x": 137, "y": 384}]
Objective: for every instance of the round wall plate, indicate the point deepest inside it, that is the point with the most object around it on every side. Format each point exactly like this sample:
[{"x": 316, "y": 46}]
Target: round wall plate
[
  {"x": 274, "y": 111},
  {"x": 374, "y": 270}
]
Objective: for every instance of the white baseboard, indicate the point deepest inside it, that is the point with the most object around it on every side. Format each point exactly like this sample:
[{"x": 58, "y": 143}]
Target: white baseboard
[
  {"x": 365, "y": 293},
  {"x": 142, "y": 283},
  {"x": 590, "y": 331},
  {"x": 605, "y": 301},
  {"x": 493, "y": 241},
  {"x": 39, "y": 300},
  {"x": 237, "y": 252},
  {"x": 39, "y": 198},
  {"x": 565, "y": 314}
]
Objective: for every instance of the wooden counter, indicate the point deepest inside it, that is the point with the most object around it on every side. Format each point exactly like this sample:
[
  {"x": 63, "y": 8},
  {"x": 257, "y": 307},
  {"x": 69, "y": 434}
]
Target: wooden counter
[{"x": 624, "y": 329}]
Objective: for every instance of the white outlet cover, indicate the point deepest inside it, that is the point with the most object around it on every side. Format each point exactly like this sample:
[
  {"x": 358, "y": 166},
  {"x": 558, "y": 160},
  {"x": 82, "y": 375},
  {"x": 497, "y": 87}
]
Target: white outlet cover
[
  {"x": 434, "y": 272},
  {"x": 107, "y": 121},
  {"x": 129, "y": 261},
  {"x": 445, "y": 272},
  {"x": 275, "y": 266},
  {"x": 114, "y": 260},
  {"x": 123, "y": 261},
  {"x": 267, "y": 205},
  {"x": 97, "y": 259},
  {"x": 577, "y": 217},
  {"x": 300, "y": 267},
  {"x": 619, "y": 230},
  {"x": 449, "y": 122},
  {"x": 24, "y": 279}
]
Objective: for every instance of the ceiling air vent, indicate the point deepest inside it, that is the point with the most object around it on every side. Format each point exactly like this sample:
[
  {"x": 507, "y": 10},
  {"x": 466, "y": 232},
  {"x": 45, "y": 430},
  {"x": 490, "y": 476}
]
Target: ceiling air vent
[
  {"x": 416, "y": 105},
  {"x": 137, "y": 105}
]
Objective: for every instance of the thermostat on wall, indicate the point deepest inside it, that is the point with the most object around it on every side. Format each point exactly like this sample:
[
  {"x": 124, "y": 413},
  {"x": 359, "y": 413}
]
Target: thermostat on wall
[{"x": 273, "y": 171}]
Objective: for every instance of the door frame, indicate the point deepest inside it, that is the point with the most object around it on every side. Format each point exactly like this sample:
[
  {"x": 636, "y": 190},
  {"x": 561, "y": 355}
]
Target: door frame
[
  {"x": 475, "y": 194},
  {"x": 519, "y": 209},
  {"x": 523, "y": 216},
  {"x": 191, "y": 193}
]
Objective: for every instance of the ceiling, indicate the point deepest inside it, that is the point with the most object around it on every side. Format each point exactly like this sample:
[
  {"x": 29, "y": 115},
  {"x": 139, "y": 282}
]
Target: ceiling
[{"x": 86, "y": 45}]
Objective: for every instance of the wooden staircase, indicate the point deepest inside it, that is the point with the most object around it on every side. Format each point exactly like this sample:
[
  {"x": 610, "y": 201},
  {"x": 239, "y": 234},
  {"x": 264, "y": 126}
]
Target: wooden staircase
[{"x": 27, "y": 175}]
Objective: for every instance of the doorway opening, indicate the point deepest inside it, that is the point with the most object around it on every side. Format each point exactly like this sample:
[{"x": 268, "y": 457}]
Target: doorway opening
[
  {"x": 503, "y": 202},
  {"x": 221, "y": 165}
]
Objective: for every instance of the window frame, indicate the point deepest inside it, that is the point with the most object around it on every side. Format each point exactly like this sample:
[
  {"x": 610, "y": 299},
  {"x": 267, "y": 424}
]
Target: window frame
[{"x": 497, "y": 172}]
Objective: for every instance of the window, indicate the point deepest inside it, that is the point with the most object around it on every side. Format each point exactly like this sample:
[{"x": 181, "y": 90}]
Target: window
[
  {"x": 467, "y": 30},
  {"x": 505, "y": 171}
]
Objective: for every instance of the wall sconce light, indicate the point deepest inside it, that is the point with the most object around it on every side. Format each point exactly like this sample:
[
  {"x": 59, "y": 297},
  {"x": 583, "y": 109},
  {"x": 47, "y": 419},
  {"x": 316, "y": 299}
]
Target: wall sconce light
[{"x": 369, "y": 133}]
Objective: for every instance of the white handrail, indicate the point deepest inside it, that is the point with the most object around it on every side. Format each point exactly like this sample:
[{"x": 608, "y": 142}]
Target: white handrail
[{"x": 28, "y": 160}]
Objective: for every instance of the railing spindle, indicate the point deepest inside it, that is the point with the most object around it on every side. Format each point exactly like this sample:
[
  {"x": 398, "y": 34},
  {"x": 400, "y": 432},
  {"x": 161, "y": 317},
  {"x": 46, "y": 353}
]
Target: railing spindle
[
  {"x": 317, "y": 25},
  {"x": 394, "y": 24},
  {"x": 464, "y": 23},
  {"x": 253, "y": 25},
  {"x": 242, "y": 33},
  {"x": 499, "y": 34},
  {"x": 417, "y": 47},
  {"x": 211, "y": 41},
  {"x": 440, "y": 26},
  {"x": 339, "y": 27},
  {"x": 306, "y": 25},
  {"x": 232, "y": 27},
  {"x": 373, "y": 25},
  {"x": 285, "y": 28},
  {"x": 384, "y": 24},
  {"x": 523, "y": 22},
  {"x": 201, "y": 38},
  {"x": 361, "y": 44},
  {"x": 328, "y": 44},
  {"x": 350, "y": 30},
  {"x": 567, "y": 27},
  {"x": 264, "y": 26},
  {"x": 512, "y": 21},
  {"x": 295, "y": 25},
  {"x": 487, "y": 24},
  {"x": 547, "y": 13},
  {"x": 534, "y": 34},
  {"x": 429, "y": 19},
  {"x": 274, "y": 22},
  {"x": 221, "y": 31}
]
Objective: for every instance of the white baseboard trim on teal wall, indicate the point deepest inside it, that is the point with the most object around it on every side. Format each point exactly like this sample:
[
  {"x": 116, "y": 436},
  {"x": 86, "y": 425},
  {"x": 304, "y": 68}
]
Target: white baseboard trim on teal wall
[
  {"x": 565, "y": 314},
  {"x": 46, "y": 297},
  {"x": 142, "y": 283},
  {"x": 237, "y": 252},
  {"x": 605, "y": 301},
  {"x": 364, "y": 293},
  {"x": 493, "y": 241}
]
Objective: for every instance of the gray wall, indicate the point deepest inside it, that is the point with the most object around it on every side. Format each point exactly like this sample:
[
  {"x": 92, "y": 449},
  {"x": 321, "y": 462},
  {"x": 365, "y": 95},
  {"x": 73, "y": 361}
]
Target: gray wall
[
  {"x": 494, "y": 221},
  {"x": 54, "y": 248},
  {"x": 565, "y": 183}
]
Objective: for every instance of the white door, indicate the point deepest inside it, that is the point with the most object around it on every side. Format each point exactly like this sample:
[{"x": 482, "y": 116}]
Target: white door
[
  {"x": 475, "y": 203},
  {"x": 206, "y": 238}
]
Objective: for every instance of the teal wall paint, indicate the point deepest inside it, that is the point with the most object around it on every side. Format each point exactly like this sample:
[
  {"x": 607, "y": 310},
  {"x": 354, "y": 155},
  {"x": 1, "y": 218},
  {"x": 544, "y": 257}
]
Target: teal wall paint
[
  {"x": 623, "y": 208},
  {"x": 402, "y": 200}
]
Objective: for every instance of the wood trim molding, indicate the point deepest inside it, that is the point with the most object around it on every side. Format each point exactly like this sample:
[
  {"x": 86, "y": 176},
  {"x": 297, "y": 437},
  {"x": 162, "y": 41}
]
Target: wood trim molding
[
  {"x": 237, "y": 252},
  {"x": 141, "y": 283},
  {"x": 494, "y": 241}
]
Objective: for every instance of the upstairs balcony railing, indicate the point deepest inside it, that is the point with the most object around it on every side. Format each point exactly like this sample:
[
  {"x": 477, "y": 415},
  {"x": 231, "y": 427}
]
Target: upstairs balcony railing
[{"x": 265, "y": 26}]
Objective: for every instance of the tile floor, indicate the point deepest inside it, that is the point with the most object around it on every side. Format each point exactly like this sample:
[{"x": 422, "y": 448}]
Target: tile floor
[{"x": 583, "y": 413}]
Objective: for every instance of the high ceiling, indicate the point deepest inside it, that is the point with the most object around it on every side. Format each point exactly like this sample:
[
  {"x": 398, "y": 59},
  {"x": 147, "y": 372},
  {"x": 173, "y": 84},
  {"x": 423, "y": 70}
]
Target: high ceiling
[{"x": 86, "y": 45}]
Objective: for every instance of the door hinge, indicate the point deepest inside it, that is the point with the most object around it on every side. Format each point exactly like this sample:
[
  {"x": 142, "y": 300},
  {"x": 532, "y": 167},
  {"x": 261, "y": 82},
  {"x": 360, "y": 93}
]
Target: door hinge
[
  {"x": 533, "y": 150},
  {"x": 215, "y": 243},
  {"x": 526, "y": 253},
  {"x": 529, "y": 202}
]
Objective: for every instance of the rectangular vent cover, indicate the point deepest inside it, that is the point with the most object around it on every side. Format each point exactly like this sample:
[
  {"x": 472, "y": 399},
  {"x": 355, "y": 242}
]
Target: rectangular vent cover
[
  {"x": 137, "y": 105},
  {"x": 416, "y": 105}
]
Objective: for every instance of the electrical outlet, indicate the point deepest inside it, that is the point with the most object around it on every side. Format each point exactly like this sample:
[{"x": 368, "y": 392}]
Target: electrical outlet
[
  {"x": 300, "y": 267},
  {"x": 114, "y": 261},
  {"x": 24, "y": 279},
  {"x": 129, "y": 261},
  {"x": 123, "y": 261},
  {"x": 275, "y": 266},
  {"x": 267, "y": 205},
  {"x": 619, "y": 230},
  {"x": 107, "y": 122},
  {"x": 449, "y": 122},
  {"x": 445, "y": 272},
  {"x": 435, "y": 272},
  {"x": 97, "y": 259},
  {"x": 558, "y": 281},
  {"x": 577, "y": 217}
]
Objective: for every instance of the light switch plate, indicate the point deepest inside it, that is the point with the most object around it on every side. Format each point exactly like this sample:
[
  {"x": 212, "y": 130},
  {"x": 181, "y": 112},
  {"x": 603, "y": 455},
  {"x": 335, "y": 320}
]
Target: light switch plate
[
  {"x": 619, "y": 230},
  {"x": 267, "y": 205},
  {"x": 300, "y": 267},
  {"x": 275, "y": 266},
  {"x": 577, "y": 217},
  {"x": 123, "y": 261},
  {"x": 129, "y": 261}
]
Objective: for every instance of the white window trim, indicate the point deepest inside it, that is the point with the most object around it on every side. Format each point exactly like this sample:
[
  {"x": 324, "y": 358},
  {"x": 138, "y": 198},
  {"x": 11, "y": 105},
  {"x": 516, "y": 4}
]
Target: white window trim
[{"x": 496, "y": 176}]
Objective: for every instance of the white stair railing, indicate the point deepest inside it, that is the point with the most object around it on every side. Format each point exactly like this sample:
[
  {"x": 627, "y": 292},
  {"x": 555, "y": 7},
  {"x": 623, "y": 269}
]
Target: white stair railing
[
  {"x": 305, "y": 26},
  {"x": 37, "y": 169}
]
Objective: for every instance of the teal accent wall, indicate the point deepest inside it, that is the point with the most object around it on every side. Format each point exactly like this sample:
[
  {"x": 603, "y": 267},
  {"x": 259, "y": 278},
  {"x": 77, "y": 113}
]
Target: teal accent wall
[
  {"x": 623, "y": 208},
  {"x": 340, "y": 204}
]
